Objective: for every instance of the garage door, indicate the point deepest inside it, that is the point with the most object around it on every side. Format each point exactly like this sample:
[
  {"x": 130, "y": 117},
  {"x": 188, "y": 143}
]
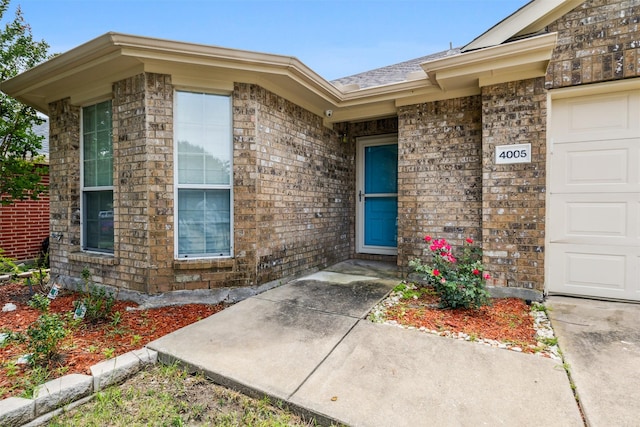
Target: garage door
[{"x": 593, "y": 222}]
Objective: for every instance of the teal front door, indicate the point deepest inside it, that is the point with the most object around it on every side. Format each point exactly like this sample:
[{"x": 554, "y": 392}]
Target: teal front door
[{"x": 377, "y": 196}]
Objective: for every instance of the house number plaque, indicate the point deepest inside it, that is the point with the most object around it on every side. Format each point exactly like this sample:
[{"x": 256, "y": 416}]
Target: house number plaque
[{"x": 514, "y": 153}]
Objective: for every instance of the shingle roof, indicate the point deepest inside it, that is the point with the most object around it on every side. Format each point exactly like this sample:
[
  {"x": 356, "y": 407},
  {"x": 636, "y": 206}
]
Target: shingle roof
[{"x": 391, "y": 73}]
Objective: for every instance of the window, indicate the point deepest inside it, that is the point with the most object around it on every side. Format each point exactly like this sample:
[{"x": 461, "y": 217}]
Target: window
[
  {"x": 202, "y": 126},
  {"x": 97, "y": 178}
]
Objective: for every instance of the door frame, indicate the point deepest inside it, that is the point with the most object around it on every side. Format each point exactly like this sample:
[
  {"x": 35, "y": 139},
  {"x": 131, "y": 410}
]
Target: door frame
[{"x": 361, "y": 143}]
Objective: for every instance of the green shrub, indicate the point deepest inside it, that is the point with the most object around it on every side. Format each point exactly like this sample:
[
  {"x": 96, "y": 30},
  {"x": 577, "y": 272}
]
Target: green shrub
[
  {"x": 11, "y": 337},
  {"x": 7, "y": 265},
  {"x": 459, "y": 282},
  {"x": 97, "y": 301},
  {"x": 45, "y": 335},
  {"x": 39, "y": 302}
]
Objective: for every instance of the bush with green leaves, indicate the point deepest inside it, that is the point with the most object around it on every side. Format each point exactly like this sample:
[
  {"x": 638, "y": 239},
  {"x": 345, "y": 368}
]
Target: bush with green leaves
[
  {"x": 39, "y": 302},
  {"x": 459, "y": 281},
  {"x": 10, "y": 336},
  {"x": 45, "y": 336},
  {"x": 97, "y": 301},
  {"x": 8, "y": 265}
]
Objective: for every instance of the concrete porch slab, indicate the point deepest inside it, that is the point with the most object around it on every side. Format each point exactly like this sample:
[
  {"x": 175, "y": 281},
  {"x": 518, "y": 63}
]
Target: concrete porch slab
[
  {"x": 257, "y": 345},
  {"x": 341, "y": 294},
  {"x": 384, "y": 375}
]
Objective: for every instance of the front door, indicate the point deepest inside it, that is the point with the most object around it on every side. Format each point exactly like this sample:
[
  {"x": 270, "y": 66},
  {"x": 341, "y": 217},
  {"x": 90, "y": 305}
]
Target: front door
[{"x": 377, "y": 195}]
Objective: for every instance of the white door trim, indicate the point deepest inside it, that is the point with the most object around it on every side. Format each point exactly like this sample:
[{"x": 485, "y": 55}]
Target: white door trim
[{"x": 361, "y": 143}]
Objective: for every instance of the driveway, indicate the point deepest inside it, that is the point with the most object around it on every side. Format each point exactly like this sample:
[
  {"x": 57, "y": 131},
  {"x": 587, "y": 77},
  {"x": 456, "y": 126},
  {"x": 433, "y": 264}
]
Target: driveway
[{"x": 600, "y": 341}]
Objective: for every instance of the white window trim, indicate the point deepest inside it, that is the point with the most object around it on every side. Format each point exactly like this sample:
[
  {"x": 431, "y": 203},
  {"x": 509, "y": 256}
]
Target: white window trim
[
  {"x": 83, "y": 189},
  {"x": 177, "y": 186}
]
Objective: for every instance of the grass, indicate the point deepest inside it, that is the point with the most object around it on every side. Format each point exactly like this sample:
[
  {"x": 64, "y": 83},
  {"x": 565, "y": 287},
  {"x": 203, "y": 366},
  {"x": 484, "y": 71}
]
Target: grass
[{"x": 168, "y": 396}]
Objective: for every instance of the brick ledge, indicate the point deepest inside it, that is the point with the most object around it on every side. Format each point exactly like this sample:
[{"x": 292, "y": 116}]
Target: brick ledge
[
  {"x": 92, "y": 258},
  {"x": 204, "y": 264}
]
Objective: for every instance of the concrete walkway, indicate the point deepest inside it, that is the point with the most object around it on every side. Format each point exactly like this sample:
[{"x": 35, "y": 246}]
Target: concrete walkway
[
  {"x": 601, "y": 344},
  {"x": 308, "y": 343}
]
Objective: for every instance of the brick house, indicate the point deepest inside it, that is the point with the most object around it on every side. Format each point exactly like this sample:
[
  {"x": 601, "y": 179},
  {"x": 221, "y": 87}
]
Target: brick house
[
  {"x": 24, "y": 224},
  {"x": 182, "y": 166}
]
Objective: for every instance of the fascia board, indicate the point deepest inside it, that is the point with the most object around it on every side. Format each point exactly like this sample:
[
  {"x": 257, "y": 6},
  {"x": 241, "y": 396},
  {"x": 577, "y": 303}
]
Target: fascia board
[
  {"x": 112, "y": 47},
  {"x": 99, "y": 49},
  {"x": 529, "y": 19},
  {"x": 370, "y": 108},
  {"x": 233, "y": 59},
  {"x": 553, "y": 15},
  {"x": 115, "y": 55},
  {"x": 388, "y": 91},
  {"x": 467, "y": 68}
]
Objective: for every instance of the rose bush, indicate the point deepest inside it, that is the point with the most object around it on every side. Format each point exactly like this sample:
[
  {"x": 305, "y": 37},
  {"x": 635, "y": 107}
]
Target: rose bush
[{"x": 459, "y": 281}]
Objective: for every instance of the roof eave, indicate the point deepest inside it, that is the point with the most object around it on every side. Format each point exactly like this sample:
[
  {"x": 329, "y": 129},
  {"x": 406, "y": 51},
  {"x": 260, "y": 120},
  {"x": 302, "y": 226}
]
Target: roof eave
[
  {"x": 516, "y": 60},
  {"x": 88, "y": 71},
  {"x": 114, "y": 53},
  {"x": 531, "y": 18}
]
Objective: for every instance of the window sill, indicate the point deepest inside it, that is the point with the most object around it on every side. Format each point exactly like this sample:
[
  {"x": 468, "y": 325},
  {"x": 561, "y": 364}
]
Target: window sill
[
  {"x": 204, "y": 264},
  {"x": 93, "y": 258}
]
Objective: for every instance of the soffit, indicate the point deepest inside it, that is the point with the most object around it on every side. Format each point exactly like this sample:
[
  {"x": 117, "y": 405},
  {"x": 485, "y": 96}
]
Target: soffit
[{"x": 516, "y": 60}]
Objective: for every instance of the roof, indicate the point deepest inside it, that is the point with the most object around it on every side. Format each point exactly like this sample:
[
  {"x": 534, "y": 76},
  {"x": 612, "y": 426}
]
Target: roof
[
  {"x": 391, "y": 73},
  {"x": 517, "y": 47}
]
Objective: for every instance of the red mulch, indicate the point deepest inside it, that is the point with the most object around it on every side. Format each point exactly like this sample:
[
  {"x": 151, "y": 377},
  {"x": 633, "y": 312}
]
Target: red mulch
[
  {"x": 88, "y": 343},
  {"x": 506, "y": 320}
]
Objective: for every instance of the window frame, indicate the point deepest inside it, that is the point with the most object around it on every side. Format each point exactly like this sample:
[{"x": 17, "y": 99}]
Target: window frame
[
  {"x": 94, "y": 189},
  {"x": 178, "y": 186}
]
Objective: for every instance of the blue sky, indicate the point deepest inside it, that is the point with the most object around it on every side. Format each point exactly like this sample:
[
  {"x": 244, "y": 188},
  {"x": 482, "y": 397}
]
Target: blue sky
[{"x": 335, "y": 38}]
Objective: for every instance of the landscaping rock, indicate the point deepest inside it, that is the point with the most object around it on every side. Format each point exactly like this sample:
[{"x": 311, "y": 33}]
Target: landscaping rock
[
  {"x": 522, "y": 293},
  {"x": 16, "y": 411},
  {"x": 61, "y": 391},
  {"x": 114, "y": 370},
  {"x": 9, "y": 307}
]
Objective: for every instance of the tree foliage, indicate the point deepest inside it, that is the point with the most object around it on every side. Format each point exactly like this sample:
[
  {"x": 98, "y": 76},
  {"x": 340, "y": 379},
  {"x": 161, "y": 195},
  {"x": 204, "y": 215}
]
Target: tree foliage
[{"x": 20, "y": 175}]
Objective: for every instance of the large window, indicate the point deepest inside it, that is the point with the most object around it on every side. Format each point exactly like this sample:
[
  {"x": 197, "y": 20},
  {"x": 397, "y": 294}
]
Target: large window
[
  {"x": 202, "y": 126},
  {"x": 97, "y": 178}
]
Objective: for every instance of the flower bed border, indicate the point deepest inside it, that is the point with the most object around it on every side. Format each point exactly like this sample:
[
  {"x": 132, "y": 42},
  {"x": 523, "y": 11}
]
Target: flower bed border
[{"x": 68, "y": 391}]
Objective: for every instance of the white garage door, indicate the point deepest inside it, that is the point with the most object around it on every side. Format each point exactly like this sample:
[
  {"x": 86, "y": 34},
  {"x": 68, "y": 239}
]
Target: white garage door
[{"x": 593, "y": 222}]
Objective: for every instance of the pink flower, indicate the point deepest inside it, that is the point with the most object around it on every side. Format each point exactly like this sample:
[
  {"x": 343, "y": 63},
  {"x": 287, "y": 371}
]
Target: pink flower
[
  {"x": 487, "y": 276},
  {"x": 443, "y": 280},
  {"x": 436, "y": 272},
  {"x": 476, "y": 271},
  {"x": 469, "y": 240},
  {"x": 427, "y": 239}
]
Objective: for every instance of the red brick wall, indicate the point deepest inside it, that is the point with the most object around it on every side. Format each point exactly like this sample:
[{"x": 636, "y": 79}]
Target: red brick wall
[{"x": 24, "y": 225}]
